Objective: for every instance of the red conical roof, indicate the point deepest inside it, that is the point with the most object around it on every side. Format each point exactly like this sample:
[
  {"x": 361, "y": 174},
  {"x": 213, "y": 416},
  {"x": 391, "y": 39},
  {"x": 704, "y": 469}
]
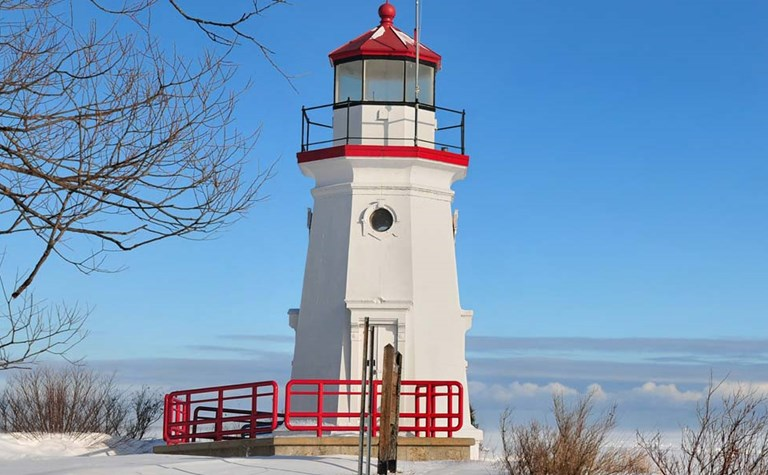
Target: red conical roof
[{"x": 384, "y": 40}]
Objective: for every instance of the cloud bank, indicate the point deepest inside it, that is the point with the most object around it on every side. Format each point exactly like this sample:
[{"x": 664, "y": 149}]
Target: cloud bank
[{"x": 655, "y": 383}]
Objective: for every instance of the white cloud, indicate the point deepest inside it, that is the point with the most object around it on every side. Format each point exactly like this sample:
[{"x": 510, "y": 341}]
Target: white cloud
[
  {"x": 758, "y": 388},
  {"x": 597, "y": 392},
  {"x": 507, "y": 393},
  {"x": 668, "y": 392}
]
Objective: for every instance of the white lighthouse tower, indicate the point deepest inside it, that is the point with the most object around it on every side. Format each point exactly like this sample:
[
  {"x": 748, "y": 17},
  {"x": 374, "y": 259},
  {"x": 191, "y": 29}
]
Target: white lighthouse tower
[{"x": 382, "y": 229}]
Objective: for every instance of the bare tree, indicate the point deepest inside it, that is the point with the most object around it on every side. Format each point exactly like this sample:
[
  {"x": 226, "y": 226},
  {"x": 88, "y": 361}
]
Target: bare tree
[
  {"x": 576, "y": 445},
  {"x": 29, "y": 329},
  {"x": 108, "y": 141},
  {"x": 731, "y": 437}
]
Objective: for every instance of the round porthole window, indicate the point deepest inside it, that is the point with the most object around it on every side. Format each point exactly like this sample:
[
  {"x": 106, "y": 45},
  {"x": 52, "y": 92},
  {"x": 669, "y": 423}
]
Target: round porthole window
[{"x": 381, "y": 220}]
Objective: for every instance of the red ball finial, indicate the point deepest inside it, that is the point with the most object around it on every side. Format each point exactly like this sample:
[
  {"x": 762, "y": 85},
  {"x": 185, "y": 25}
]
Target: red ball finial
[{"x": 387, "y": 13}]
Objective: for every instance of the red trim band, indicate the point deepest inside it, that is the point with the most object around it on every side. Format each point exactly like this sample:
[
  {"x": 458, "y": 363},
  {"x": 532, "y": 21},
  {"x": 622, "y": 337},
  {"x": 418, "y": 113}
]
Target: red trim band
[{"x": 390, "y": 151}]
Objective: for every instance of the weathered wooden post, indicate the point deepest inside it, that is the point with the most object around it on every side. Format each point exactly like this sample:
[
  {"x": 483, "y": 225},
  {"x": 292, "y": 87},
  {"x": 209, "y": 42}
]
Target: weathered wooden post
[{"x": 390, "y": 410}]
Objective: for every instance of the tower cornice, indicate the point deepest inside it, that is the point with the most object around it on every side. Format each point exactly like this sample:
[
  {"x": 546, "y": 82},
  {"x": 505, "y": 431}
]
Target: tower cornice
[{"x": 384, "y": 151}]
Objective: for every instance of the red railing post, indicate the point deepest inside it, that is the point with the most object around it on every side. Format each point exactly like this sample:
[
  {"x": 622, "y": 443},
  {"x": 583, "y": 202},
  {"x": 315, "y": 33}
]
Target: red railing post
[
  {"x": 375, "y": 412},
  {"x": 166, "y": 418},
  {"x": 254, "y": 412},
  {"x": 449, "y": 420},
  {"x": 219, "y": 425},
  {"x": 417, "y": 409},
  {"x": 460, "y": 402},
  {"x": 320, "y": 397},
  {"x": 185, "y": 429},
  {"x": 274, "y": 406},
  {"x": 287, "y": 408},
  {"x": 431, "y": 416}
]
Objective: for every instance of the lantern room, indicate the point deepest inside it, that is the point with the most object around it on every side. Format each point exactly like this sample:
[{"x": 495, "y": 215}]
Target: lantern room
[
  {"x": 384, "y": 80},
  {"x": 381, "y": 66},
  {"x": 377, "y": 99}
]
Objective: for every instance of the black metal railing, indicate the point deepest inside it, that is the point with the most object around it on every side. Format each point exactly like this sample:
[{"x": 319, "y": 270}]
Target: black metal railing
[{"x": 451, "y": 137}]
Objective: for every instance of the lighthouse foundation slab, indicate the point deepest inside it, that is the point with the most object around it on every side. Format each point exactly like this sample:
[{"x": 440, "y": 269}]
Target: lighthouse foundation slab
[{"x": 412, "y": 449}]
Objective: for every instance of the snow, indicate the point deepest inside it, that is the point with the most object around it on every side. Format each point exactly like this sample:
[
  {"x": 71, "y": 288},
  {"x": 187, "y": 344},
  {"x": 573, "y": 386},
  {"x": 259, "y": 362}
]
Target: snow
[
  {"x": 379, "y": 31},
  {"x": 99, "y": 454},
  {"x": 407, "y": 40}
]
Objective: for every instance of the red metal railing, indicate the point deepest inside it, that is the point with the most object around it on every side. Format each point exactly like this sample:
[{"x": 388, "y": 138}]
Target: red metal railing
[
  {"x": 428, "y": 408},
  {"x": 219, "y": 413},
  {"x": 438, "y": 407}
]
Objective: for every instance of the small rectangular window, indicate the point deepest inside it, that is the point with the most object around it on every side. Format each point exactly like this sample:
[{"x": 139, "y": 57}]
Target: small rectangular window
[
  {"x": 384, "y": 80},
  {"x": 426, "y": 83},
  {"x": 349, "y": 81}
]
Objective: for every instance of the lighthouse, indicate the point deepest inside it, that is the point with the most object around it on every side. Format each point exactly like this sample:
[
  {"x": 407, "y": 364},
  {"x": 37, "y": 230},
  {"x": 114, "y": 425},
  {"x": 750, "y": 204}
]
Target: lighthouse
[{"x": 382, "y": 228}]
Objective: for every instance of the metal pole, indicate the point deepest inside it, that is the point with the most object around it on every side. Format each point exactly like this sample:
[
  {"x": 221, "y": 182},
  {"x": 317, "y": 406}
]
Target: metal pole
[
  {"x": 349, "y": 100},
  {"x": 371, "y": 402},
  {"x": 363, "y": 381},
  {"x": 303, "y": 119},
  {"x": 416, "y": 124},
  {"x": 417, "y": 34}
]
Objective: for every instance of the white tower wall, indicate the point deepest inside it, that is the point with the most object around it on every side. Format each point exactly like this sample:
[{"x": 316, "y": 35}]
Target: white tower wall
[
  {"x": 401, "y": 278},
  {"x": 322, "y": 326},
  {"x": 404, "y": 280},
  {"x": 378, "y": 124}
]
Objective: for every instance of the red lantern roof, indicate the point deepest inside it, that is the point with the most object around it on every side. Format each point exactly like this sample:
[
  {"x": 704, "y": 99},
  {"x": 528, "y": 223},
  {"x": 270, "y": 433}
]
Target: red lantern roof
[{"x": 386, "y": 41}]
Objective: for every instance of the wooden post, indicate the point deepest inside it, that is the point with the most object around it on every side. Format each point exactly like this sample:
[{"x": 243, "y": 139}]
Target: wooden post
[{"x": 390, "y": 410}]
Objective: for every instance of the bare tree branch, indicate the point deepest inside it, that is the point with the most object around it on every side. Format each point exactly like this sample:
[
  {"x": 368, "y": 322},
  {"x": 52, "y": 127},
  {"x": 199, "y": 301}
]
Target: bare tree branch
[
  {"x": 108, "y": 142},
  {"x": 29, "y": 329},
  {"x": 229, "y": 33}
]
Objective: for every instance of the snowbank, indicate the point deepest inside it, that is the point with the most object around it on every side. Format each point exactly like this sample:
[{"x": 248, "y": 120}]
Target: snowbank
[
  {"x": 24, "y": 446},
  {"x": 99, "y": 454}
]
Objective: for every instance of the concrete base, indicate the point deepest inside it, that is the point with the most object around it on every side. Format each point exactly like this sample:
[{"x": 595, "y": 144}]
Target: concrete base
[{"x": 408, "y": 448}]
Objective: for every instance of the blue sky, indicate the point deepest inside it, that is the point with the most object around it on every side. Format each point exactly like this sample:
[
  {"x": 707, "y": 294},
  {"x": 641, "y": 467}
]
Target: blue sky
[{"x": 613, "y": 225}]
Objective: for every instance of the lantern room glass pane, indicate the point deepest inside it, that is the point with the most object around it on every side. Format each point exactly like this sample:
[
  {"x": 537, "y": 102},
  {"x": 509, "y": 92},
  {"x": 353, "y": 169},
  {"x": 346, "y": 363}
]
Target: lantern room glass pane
[
  {"x": 349, "y": 81},
  {"x": 384, "y": 80},
  {"x": 426, "y": 83}
]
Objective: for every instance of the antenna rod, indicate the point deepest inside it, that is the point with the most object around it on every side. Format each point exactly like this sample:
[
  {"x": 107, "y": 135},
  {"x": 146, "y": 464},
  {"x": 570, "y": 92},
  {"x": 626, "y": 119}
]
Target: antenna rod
[{"x": 417, "y": 35}]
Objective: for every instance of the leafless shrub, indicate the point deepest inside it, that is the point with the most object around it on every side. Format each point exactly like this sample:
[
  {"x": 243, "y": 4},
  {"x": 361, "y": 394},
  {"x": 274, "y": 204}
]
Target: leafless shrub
[
  {"x": 730, "y": 438},
  {"x": 146, "y": 406},
  {"x": 576, "y": 445},
  {"x": 74, "y": 400},
  {"x": 4, "y": 414}
]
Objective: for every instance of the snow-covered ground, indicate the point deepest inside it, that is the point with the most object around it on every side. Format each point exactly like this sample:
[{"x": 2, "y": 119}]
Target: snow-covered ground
[{"x": 101, "y": 455}]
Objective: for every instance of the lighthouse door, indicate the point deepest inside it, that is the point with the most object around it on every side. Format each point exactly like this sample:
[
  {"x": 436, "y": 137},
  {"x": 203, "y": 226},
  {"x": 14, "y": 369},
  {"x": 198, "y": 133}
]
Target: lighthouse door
[{"x": 385, "y": 334}]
